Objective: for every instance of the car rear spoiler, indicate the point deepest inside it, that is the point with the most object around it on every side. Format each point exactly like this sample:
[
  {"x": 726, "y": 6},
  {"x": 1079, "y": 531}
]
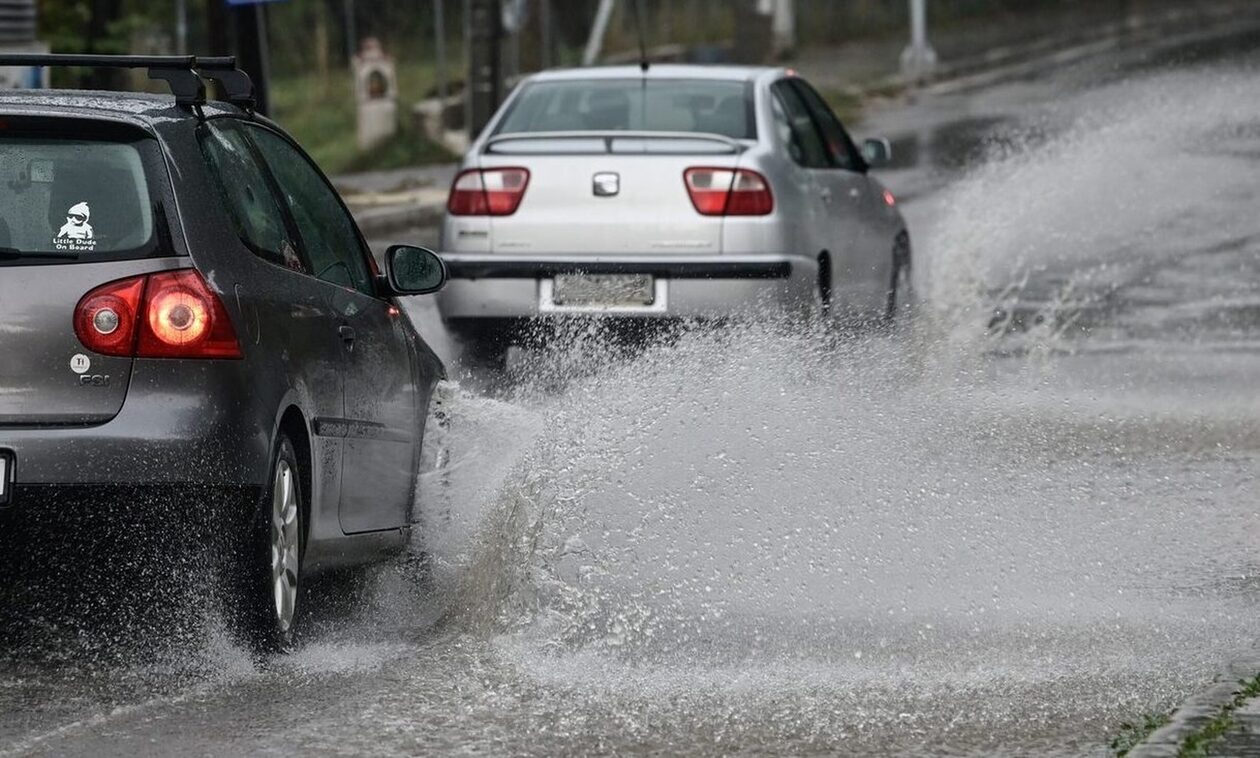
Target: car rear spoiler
[{"x": 600, "y": 142}]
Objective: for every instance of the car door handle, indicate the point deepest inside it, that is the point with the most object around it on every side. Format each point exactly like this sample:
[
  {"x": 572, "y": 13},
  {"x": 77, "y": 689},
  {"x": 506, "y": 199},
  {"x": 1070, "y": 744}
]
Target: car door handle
[{"x": 347, "y": 334}]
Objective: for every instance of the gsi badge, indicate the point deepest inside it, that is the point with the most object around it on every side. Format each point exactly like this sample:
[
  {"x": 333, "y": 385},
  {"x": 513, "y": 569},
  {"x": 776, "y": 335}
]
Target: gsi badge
[{"x": 606, "y": 184}]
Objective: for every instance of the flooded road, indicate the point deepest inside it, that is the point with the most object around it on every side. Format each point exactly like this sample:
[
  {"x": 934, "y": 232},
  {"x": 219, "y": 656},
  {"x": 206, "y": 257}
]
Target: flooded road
[{"x": 1009, "y": 527}]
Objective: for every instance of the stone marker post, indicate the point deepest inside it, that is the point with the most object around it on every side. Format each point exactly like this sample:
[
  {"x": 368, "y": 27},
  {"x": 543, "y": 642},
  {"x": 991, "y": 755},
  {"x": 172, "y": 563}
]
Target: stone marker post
[{"x": 375, "y": 94}]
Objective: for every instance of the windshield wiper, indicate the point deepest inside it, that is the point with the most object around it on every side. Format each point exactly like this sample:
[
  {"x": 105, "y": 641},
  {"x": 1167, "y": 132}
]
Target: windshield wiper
[{"x": 12, "y": 253}]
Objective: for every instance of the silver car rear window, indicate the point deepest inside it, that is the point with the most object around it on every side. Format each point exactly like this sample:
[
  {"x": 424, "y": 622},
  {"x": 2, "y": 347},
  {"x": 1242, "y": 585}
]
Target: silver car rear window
[
  {"x": 711, "y": 106},
  {"x": 84, "y": 198}
]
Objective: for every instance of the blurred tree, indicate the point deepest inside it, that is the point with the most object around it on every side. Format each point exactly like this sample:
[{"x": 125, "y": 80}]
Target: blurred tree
[{"x": 94, "y": 26}]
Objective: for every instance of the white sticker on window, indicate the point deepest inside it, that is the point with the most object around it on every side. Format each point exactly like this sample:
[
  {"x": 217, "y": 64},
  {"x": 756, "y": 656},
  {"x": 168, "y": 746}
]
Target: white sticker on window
[{"x": 76, "y": 234}]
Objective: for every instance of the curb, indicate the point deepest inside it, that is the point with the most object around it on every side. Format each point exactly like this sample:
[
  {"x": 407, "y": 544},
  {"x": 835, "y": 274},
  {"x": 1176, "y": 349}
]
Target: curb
[
  {"x": 377, "y": 222},
  {"x": 1011, "y": 62},
  {"x": 1198, "y": 710}
]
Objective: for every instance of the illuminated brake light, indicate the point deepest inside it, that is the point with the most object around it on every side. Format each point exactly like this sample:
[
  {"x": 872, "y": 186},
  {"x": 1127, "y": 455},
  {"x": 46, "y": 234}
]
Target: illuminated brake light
[
  {"x": 728, "y": 192},
  {"x": 184, "y": 319},
  {"x": 889, "y": 199},
  {"x": 170, "y": 314},
  {"x": 487, "y": 192},
  {"x": 178, "y": 317}
]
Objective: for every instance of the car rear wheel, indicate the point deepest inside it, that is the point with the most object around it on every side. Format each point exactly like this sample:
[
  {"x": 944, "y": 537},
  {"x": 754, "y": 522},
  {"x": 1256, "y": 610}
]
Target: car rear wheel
[
  {"x": 268, "y": 597},
  {"x": 823, "y": 294},
  {"x": 900, "y": 291},
  {"x": 483, "y": 347}
]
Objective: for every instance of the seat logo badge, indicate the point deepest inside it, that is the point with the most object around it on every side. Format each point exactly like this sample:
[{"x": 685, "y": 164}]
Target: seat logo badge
[{"x": 606, "y": 184}]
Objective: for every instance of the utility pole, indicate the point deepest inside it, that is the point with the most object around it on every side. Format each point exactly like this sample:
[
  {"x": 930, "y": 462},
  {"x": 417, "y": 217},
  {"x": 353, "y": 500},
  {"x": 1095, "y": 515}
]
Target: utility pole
[
  {"x": 217, "y": 40},
  {"x": 918, "y": 60},
  {"x": 595, "y": 42},
  {"x": 783, "y": 29},
  {"x": 251, "y": 50},
  {"x": 439, "y": 47},
  {"x": 181, "y": 27},
  {"x": 484, "y": 31},
  {"x": 544, "y": 23},
  {"x": 352, "y": 33}
]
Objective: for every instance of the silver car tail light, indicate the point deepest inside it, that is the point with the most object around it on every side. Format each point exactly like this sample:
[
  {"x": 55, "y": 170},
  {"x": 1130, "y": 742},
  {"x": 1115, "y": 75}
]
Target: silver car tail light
[
  {"x": 487, "y": 192},
  {"x": 728, "y": 191}
]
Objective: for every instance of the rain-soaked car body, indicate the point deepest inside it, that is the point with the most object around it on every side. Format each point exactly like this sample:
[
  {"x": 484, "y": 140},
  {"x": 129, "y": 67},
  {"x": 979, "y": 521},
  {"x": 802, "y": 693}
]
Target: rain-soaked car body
[
  {"x": 187, "y": 306},
  {"x": 671, "y": 191}
]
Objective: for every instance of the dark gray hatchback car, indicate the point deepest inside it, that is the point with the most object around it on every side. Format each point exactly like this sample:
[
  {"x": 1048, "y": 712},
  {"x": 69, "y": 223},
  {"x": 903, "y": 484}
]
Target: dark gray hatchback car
[{"x": 186, "y": 303}]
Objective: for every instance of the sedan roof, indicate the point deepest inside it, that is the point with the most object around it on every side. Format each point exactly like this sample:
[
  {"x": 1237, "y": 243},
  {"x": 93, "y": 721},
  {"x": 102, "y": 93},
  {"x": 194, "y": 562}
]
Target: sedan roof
[{"x": 655, "y": 71}]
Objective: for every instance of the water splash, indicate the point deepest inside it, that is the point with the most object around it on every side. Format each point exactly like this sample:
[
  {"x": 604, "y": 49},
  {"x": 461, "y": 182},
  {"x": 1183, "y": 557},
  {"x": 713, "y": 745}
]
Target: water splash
[
  {"x": 1135, "y": 217},
  {"x": 758, "y": 509}
]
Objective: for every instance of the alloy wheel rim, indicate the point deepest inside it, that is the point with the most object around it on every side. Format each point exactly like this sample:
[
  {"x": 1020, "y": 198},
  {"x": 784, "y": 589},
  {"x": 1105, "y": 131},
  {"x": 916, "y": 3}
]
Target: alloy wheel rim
[{"x": 284, "y": 546}]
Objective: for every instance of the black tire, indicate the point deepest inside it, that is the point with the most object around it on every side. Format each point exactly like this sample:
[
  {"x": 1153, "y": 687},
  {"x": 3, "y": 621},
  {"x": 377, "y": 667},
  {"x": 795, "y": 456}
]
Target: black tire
[
  {"x": 273, "y": 546},
  {"x": 899, "y": 289},
  {"x": 824, "y": 289},
  {"x": 483, "y": 347}
]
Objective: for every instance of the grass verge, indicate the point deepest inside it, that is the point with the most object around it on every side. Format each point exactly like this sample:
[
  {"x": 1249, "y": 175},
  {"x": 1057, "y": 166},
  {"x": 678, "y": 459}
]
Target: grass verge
[
  {"x": 1132, "y": 734},
  {"x": 320, "y": 114},
  {"x": 1200, "y": 742}
]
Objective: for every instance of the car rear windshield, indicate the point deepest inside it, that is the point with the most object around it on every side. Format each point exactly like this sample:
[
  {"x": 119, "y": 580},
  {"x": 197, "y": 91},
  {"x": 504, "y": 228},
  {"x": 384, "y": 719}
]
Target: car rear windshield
[
  {"x": 72, "y": 200},
  {"x": 656, "y": 105}
]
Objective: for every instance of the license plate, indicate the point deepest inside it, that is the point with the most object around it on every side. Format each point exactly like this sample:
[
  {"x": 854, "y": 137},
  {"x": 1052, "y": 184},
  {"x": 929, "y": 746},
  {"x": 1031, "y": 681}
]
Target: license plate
[
  {"x": 604, "y": 289},
  {"x": 6, "y": 476}
]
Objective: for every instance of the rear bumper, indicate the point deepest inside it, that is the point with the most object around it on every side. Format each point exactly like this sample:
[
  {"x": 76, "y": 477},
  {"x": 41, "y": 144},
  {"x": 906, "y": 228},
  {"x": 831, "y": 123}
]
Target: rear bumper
[
  {"x": 181, "y": 424},
  {"x": 517, "y": 286}
]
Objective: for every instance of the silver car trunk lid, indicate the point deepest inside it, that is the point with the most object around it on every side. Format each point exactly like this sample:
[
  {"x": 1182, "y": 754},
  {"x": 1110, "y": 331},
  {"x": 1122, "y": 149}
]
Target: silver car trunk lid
[
  {"x": 608, "y": 194},
  {"x": 47, "y": 377}
]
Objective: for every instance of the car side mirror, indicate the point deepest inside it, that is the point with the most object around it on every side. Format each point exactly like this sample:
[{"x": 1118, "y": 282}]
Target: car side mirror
[
  {"x": 414, "y": 270},
  {"x": 877, "y": 152}
]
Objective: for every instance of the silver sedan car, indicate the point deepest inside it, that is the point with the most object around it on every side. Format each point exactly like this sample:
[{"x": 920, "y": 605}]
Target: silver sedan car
[{"x": 673, "y": 191}]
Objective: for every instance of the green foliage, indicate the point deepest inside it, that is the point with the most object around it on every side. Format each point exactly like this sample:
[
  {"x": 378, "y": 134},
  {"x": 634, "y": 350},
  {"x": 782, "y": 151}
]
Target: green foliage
[
  {"x": 62, "y": 25},
  {"x": 406, "y": 148},
  {"x": 68, "y": 27},
  {"x": 1200, "y": 743},
  {"x": 1131, "y": 735},
  {"x": 320, "y": 114},
  {"x": 846, "y": 103}
]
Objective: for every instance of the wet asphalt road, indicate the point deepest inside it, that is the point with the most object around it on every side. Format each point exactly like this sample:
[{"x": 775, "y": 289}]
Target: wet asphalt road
[{"x": 945, "y": 538}]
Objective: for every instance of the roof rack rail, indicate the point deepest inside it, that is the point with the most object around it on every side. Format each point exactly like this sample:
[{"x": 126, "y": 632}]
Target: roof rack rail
[{"x": 183, "y": 73}]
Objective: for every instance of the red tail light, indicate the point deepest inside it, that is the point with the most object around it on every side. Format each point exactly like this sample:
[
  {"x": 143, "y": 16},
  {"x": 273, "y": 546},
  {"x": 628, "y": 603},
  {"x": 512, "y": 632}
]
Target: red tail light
[
  {"x": 728, "y": 192},
  {"x": 171, "y": 314},
  {"x": 184, "y": 319},
  {"x": 487, "y": 192},
  {"x": 105, "y": 319}
]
